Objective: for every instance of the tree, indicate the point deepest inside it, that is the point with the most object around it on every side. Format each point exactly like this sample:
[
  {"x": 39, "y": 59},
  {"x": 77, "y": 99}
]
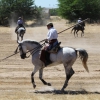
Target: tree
[
  {"x": 53, "y": 12},
  {"x": 72, "y": 9},
  {"x": 24, "y": 8}
]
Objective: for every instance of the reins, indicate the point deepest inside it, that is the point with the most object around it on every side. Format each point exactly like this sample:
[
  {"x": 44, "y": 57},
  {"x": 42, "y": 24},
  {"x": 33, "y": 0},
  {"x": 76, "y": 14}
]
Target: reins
[
  {"x": 35, "y": 49},
  {"x": 9, "y": 56}
]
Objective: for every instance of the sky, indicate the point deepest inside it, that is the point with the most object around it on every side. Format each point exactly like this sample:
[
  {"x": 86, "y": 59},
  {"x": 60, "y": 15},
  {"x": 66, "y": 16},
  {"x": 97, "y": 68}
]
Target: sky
[{"x": 46, "y": 3}]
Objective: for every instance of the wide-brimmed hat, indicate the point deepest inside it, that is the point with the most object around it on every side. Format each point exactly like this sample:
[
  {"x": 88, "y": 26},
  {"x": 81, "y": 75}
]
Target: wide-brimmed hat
[
  {"x": 80, "y": 18},
  {"x": 50, "y": 24},
  {"x": 19, "y": 17}
]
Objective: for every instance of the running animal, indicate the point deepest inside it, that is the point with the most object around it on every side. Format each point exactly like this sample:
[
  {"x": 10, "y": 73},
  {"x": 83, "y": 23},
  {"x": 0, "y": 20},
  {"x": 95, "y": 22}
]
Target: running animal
[{"x": 66, "y": 56}]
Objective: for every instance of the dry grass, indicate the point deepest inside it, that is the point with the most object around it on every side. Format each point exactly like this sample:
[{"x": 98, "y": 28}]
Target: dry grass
[{"x": 15, "y": 82}]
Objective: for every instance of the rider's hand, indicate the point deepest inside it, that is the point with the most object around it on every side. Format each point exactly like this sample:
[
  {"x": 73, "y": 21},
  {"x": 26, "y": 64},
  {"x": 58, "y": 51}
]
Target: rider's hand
[{"x": 46, "y": 40}]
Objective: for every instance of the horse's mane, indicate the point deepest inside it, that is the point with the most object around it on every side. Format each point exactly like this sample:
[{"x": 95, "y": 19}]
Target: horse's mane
[{"x": 30, "y": 41}]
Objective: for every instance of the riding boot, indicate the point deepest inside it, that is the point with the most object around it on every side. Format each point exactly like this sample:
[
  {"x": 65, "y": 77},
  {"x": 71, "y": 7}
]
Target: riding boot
[
  {"x": 44, "y": 57},
  {"x": 47, "y": 57}
]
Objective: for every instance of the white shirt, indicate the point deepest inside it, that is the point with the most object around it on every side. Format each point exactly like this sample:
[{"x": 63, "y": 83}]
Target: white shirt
[
  {"x": 20, "y": 22},
  {"x": 79, "y": 21},
  {"x": 52, "y": 34}
]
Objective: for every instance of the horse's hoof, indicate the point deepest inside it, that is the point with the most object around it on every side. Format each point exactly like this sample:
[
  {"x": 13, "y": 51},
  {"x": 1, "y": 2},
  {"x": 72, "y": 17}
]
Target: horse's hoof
[
  {"x": 34, "y": 86},
  {"x": 62, "y": 91},
  {"x": 49, "y": 84}
]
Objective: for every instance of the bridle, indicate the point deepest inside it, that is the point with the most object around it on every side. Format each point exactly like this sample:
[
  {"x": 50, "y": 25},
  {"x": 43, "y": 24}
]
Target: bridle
[{"x": 33, "y": 51}]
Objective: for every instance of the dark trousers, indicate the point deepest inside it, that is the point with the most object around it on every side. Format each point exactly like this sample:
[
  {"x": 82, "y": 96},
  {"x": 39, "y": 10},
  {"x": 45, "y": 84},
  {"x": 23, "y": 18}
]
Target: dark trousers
[{"x": 45, "y": 57}]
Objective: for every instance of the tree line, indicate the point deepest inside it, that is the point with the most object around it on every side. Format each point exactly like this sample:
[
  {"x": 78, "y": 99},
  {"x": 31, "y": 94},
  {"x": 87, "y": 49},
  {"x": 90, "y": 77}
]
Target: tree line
[
  {"x": 73, "y": 9},
  {"x": 68, "y": 9},
  {"x": 15, "y": 8}
]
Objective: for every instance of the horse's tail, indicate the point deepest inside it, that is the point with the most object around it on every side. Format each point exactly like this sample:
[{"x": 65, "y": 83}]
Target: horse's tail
[
  {"x": 84, "y": 57},
  {"x": 22, "y": 31}
]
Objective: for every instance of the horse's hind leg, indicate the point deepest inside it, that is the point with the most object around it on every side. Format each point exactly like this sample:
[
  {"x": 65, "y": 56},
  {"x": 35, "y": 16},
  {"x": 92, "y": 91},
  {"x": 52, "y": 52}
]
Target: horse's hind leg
[
  {"x": 40, "y": 76},
  {"x": 69, "y": 72}
]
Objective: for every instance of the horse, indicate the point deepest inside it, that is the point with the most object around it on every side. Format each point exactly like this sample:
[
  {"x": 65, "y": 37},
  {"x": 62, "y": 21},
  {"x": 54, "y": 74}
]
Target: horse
[
  {"x": 20, "y": 33},
  {"x": 79, "y": 27},
  {"x": 66, "y": 56}
]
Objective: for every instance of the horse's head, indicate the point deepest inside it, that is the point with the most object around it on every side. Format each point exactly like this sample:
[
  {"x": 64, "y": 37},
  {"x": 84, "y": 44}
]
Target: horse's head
[
  {"x": 22, "y": 49},
  {"x": 26, "y": 46}
]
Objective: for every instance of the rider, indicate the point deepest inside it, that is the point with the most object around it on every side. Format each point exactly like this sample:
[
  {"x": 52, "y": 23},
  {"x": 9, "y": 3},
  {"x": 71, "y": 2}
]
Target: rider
[
  {"x": 52, "y": 36},
  {"x": 81, "y": 23},
  {"x": 19, "y": 24},
  {"x": 79, "y": 20}
]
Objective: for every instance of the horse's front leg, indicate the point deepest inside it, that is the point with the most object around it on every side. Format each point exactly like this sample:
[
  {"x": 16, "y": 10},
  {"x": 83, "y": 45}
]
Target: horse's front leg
[
  {"x": 36, "y": 68},
  {"x": 72, "y": 30},
  {"x": 82, "y": 34},
  {"x": 21, "y": 37},
  {"x": 32, "y": 80},
  {"x": 40, "y": 76},
  {"x": 77, "y": 33},
  {"x": 17, "y": 37},
  {"x": 74, "y": 33}
]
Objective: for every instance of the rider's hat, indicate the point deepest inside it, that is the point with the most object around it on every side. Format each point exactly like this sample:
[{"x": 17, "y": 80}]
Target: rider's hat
[
  {"x": 80, "y": 18},
  {"x": 50, "y": 24},
  {"x": 19, "y": 17}
]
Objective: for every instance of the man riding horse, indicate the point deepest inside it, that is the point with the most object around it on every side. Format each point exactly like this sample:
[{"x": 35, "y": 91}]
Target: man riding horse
[
  {"x": 80, "y": 23},
  {"x": 52, "y": 36},
  {"x": 19, "y": 24},
  {"x": 79, "y": 27}
]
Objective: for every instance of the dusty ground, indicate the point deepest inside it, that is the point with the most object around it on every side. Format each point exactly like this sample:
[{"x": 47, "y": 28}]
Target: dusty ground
[{"x": 15, "y": 82}]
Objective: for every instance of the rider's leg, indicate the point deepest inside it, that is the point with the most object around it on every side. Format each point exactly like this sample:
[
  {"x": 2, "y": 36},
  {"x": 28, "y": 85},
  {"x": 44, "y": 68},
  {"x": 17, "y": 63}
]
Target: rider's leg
[
  {"x": 16, "y": 29},
  {"x": 42, "y": 56}
]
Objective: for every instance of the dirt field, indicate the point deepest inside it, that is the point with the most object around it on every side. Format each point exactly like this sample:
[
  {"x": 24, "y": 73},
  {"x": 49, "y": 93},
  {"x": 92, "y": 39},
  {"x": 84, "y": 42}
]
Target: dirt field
[{"x": 15, "y": 82}]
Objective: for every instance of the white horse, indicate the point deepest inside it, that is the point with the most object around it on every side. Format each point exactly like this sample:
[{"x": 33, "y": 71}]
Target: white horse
[
  {"x": 20, "y": 33},
  {"x": 66, "y": 56}
]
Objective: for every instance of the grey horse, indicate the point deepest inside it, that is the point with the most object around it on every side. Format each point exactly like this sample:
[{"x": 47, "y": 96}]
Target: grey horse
[
  {"x": 66, "y": 56},
  {"x": 20, "y": 33}
]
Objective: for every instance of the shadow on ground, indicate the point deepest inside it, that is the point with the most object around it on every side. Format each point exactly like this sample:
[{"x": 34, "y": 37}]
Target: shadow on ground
[{"x": 67, "y": 92}]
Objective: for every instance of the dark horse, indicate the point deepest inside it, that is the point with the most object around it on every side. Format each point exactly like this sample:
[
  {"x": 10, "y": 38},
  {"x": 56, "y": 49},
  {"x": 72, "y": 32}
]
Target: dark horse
[{"x": 79, "y": 27}]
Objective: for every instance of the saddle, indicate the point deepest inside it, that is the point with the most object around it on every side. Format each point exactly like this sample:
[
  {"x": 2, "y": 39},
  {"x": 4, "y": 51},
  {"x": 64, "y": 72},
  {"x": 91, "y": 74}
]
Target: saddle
[
  {"x": 45, "y": 55},
  {"x": 55, "y": 49}
]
